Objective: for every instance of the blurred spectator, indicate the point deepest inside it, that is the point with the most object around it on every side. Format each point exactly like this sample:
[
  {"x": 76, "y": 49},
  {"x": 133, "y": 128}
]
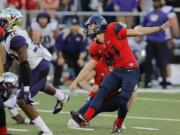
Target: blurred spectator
[
  {"x": 172, "y": 32},
  {"x": 67, "y": 5},
  {"x": 44, "y": 31},
  {"x": 148, "y": 6},
  {"x": 19, "y": 4},
  {"x": 32, "y": 4},
  {"x": 49, "y": 4},
  {"x": 71, "y": 44},
  {"x": 2, "y": 4},
  {"x": 91, "y": 5},
  {"x": 125, "y": 6},
  {"x": 108, "y": 7},
  {"x": 174, "y": 3},
  {"x": 138, "y": 46},
  {"x": 156, "y": 43}
]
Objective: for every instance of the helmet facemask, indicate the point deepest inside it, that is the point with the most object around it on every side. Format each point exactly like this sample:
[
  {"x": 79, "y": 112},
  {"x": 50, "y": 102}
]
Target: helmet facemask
[{"x": 93, "y": 32}]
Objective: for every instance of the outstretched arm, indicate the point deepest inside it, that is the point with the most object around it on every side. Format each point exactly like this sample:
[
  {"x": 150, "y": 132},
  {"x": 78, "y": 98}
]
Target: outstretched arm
[
  {"x": 141, "y": 31},
  {"x": 83, "y": 74}
]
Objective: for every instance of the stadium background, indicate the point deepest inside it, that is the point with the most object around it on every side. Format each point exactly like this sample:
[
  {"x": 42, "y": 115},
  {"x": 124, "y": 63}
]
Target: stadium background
[{"x": 149, "y": 115}]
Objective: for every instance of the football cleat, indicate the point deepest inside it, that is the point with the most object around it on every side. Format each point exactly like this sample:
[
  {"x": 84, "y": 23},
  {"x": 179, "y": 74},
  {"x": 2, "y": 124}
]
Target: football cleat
[
  {"x": 45, "y": 133},
  {"x": 79, "y": 119},
  {"x": 59, "y": 104},
  {"x": 116, "y": 129},
  {"x": 58, "y": 107}
]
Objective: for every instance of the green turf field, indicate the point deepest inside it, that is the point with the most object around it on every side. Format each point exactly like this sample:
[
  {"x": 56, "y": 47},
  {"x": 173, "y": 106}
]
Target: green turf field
[{"x": 159, "y": 113}]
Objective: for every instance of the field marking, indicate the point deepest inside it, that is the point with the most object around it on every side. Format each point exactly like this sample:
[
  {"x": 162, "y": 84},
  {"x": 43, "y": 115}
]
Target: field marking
[
  {"x": 85, "y": 129},
  {"x": 18, "y": 130},
  {"x": 158, "y": 100},
  {"x": 145, "y": 128},
  {"x": 129, "y": 117}
]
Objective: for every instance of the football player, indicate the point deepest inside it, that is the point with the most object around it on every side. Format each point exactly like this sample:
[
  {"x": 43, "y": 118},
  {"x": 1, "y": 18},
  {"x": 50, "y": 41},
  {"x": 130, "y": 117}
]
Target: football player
[
  {"x": 118, "y": 55},
  {"x": 99, "y": 73},
  {"x": 44, "y": 31},
  {"x": 33, "y": 66}
]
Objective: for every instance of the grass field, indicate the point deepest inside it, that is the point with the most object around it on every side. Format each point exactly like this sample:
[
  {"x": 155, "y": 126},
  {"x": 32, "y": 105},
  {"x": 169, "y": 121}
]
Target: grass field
[{"x": 158, "y": 112}]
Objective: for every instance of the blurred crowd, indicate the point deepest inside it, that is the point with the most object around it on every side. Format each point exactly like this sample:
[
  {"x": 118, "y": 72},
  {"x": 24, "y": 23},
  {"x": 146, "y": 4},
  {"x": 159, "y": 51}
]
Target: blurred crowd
[{"x": 64, "y": 37}]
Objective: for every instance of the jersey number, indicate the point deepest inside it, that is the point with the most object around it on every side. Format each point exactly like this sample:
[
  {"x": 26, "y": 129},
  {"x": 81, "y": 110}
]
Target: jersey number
[{"x": 111, "y": 54}]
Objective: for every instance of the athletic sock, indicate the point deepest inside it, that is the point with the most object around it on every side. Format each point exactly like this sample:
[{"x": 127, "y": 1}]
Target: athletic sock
[
  {"x": 89, "y": 113},
  {"x": 119, "y": 121},
  {"x": 39, "y": 123},
  {"x": 3, "y": 130},
  {"x": 59, "y": 95}
]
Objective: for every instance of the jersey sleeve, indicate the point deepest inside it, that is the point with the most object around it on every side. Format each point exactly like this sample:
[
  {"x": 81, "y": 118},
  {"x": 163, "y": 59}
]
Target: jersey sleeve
[
  {"x": 118, "y": 29},
  {"x": 34, "y": 25},
  {"x": 17, "y": 42},
  {"x": 54, "y": 25},
  {"x": 93, "y": 51}
]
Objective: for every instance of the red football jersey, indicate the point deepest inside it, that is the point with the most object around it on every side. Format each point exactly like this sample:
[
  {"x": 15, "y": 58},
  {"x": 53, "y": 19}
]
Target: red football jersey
[
  {"x": 117, "y": 50},
  {"x": 96, "y": 51}
]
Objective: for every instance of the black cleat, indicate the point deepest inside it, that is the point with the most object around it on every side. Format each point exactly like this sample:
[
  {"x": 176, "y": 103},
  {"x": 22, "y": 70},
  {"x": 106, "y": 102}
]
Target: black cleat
[
  {"x": 58, "y": 107},
  {"x": 59, "y": 104},
  {"x": 116, "y": 129},
  {"x": 79, "y": 119},
  {"x": 43, "y": 133}
]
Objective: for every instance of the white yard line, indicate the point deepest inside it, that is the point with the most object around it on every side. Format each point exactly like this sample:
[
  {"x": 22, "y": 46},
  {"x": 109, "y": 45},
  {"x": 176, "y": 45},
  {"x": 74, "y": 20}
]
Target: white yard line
[
  {"x": 145, "y": 128},
  {"x": 158, "y": 100},
  {"x": 85, "y": 129},
  {"x": 18, "y": 130},
  {"x": 129, "y": 117}
]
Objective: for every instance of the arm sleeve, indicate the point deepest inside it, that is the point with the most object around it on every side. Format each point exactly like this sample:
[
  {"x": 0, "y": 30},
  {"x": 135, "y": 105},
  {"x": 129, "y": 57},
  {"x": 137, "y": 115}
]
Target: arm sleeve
[
  {"x": 17, "y": 42},
  {"x": 120, "y": 31},
  {"x": 25, "y": 73},
  {"x": 93, "y": 52},
  {"x": 8, "y": 63}
]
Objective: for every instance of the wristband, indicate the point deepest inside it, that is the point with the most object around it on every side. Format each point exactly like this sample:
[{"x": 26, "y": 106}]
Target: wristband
[{"x": 26, "y": 88}]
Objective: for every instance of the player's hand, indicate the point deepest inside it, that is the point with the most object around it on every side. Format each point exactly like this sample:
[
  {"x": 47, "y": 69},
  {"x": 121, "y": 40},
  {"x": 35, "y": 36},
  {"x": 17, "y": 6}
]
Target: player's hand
[
  {"x": 73, "y": 86},
  {"x": 165, "y": 25},
  {"x": 95, "y": 88},
  {"x": 27, "y": 97},
  {"x": 60, "y": 61},
  {"x": 80, "y": 62}
]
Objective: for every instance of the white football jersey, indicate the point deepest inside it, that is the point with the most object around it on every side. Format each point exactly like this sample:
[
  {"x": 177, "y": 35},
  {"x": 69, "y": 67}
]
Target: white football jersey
[
  {"x": 47, "y": 35},
  {"x": 169, "y": 10},
  {"x": 35, "y": 52}
]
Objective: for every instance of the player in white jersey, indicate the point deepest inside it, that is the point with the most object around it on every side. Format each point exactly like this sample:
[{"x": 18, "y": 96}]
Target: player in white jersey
[
  {"x": 44, "y": 31},
  {"x": 33, "y": 66},
  {"x": 172, "y": 32}
]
